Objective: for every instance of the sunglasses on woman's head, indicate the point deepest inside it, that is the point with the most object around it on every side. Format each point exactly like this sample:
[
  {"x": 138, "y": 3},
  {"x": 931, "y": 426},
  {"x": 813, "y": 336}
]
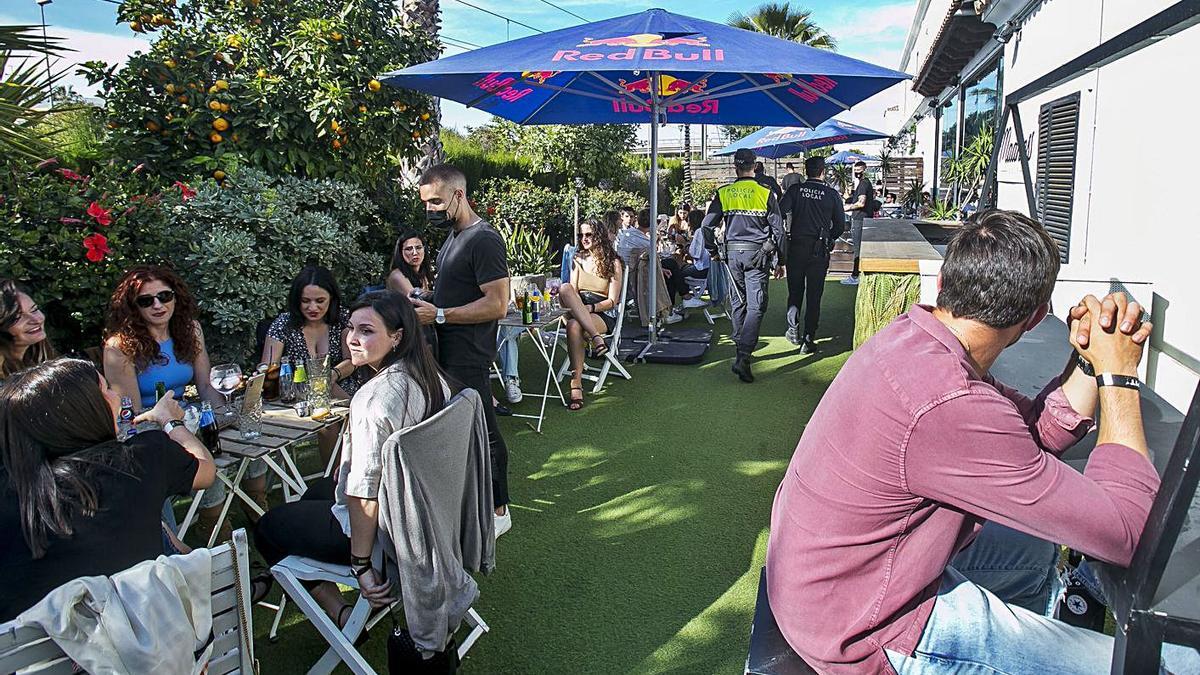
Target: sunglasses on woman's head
[{"x": 147, "y": 301}]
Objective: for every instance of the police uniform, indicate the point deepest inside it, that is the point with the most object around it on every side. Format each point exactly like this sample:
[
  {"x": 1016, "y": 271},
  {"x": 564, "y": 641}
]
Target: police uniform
[
  {"x": 817, "y": 220},
  {"x": 752, "y": 219}
]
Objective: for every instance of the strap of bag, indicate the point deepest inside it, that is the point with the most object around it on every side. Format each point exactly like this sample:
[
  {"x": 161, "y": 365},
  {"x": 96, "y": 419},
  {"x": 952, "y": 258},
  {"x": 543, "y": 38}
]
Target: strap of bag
[{"x": 244, "y": 636}]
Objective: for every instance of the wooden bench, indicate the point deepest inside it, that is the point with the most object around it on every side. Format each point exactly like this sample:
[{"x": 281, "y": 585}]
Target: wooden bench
[
  {"x": 770, "y": 654},
  {"x": 27, "y": 649}
]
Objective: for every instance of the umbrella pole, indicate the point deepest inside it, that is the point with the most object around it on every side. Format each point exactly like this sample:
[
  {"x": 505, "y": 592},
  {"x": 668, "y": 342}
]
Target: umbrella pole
[{"x": 654, "y": 262}]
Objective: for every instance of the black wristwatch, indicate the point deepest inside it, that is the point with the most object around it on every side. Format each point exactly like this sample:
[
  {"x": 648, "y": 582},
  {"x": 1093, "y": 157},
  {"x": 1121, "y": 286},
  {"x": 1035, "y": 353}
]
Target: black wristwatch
[
  {"x": 1084, "y": 366},
  {"x": 1114, "y": 380}
]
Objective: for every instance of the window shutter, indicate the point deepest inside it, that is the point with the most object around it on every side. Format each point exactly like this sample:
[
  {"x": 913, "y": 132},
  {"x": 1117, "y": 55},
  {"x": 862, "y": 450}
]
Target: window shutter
[{"x": 1058, "y": 135}]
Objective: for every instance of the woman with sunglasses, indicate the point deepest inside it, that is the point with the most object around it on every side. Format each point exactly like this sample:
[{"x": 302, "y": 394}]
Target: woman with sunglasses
[
  {"x": 152, "y": 335},
  {"x": 23, "y": 341},
  {"x": 591, "y": 299}
]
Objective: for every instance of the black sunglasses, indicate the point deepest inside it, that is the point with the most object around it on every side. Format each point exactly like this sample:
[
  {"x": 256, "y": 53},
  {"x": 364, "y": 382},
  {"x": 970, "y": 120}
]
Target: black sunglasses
[{"x": 147, "y": 301}]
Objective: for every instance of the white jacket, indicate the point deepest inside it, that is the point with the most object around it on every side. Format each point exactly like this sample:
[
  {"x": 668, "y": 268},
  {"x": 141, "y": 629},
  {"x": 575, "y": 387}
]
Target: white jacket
[{"x": 150, "y": 618}]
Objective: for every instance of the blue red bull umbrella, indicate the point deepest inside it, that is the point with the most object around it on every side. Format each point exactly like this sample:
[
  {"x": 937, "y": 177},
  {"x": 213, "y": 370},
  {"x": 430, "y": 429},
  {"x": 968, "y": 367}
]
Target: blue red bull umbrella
[
  {"x": 651, "y": 66},
  {"x": 775, "y": 142},
  {"x": 847, "y": 157}
]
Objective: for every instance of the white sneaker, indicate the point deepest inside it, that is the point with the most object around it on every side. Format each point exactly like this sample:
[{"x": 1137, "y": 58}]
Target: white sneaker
[
  {"x": 512, "y": 390},
  {"x": 504, "y": 522},
  {"x": 694, "y": 302},
  {"x": 850, "y": 281},
  {"x": 674, "y": 317}
]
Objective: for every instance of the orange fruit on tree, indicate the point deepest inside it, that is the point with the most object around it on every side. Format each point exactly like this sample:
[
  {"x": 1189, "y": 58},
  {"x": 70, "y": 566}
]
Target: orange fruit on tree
[
  {"x": 424, "y": 116},
  {"x": 220, "y": 124},
  {"x": 261, "y": 73},
  {"x": 362, "y": 109},
  {"x": 219, "y": 174},
  {"x": 135, "y": 26},
  {"x": 416, "y": 135},
  {"x": 235, "y": 138},
  {"x": 333, "y": 124},
  {"x": 337, "y": 144},
  {"x": 221, "y": 85},
  {"x": 225, "y": 107},
  {"x": 335, "y": 36},
  {"x": 256, "y": 21},
  {"x": 215, "y": 137},
  {"x": 374, "y": 85},
  {"x": 170, "y": 88},
  {"x": 170, "y": 63},
  {"x": 214, "y": 105},
  {"x": 182, "y": 98},
  {"x": 152, "y": 126},
  {"x": 111, "y": 124},
  {"x": 145, "y": 18}
]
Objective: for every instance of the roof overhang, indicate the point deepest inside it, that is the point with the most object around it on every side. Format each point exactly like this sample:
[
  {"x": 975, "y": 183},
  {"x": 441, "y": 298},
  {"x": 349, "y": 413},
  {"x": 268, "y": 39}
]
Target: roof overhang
[{"x": 962, "y": 35}]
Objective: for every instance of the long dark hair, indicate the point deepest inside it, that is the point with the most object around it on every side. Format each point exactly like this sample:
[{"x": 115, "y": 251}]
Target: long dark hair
[
  {"x": 321, "y": 277},
  {"x": 397, "y": 312},
  {"x": 56, "y": 428},
  {"x": 126, "y": 324},
  {"x": 422, "y": 275},
  {"x": 602, "y": 246},
  {"x": 10, "y": 312}
]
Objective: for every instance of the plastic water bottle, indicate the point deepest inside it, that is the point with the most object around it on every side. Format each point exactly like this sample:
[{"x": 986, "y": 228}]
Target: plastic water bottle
[
  {"x": 287, "y": 388},
  {"x": 126, "y": 429},
  {"x": 300, "y": 380}
]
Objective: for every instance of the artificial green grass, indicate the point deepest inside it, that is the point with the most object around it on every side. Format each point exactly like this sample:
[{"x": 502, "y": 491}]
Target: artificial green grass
[{"x": 640, "y": 522}]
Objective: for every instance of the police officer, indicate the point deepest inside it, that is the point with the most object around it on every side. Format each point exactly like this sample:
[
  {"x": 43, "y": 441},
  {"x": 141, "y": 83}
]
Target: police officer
[
  {"x": 753, "y": 239},
  {"x": 817, "y": 220}
]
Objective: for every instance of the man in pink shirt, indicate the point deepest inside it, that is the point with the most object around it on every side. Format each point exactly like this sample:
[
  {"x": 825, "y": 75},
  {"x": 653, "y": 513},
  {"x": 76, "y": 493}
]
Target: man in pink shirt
[{"x": 878, "y": 547}]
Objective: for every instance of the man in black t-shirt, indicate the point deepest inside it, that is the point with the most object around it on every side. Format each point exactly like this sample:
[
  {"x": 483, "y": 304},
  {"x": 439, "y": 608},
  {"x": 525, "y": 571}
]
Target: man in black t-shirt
[
  {"x": 858, "y": 206},
  {"x": 470, "y": 296},
  {"x": 817, "y": 219},
  {"x": 760, "y": 175}
]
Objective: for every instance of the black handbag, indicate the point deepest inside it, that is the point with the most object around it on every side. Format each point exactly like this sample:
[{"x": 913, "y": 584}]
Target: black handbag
[{"x": 403, "y": 657}]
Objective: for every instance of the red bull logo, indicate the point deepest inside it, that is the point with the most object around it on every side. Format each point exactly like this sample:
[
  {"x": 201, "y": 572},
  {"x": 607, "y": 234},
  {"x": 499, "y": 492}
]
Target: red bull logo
[
  {"x": 710, "y": 107},
  {"x": 649, "y": 46},
  {"x": 811, "y": 90},
  {"x": 645, "y": 40},
  {"x": 539, "y": 76},
  {"x": 667, "y": 86},
  {"x": 501, "y": 86}
]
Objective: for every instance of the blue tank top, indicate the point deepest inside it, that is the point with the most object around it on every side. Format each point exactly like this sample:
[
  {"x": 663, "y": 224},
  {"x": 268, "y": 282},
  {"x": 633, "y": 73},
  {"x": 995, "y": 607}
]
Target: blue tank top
[{"x": 164, "y": 369}]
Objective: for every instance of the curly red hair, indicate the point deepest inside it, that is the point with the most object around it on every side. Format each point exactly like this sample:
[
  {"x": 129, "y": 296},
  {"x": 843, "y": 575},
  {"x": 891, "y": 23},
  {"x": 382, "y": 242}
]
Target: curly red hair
[{"x": 126, "y": 324}]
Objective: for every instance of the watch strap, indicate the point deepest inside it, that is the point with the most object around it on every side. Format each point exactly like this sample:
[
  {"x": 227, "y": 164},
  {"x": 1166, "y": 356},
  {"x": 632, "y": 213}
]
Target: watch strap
[
  {"x": 1114, "y": 380},
  {"x": 170, "y": 426}
]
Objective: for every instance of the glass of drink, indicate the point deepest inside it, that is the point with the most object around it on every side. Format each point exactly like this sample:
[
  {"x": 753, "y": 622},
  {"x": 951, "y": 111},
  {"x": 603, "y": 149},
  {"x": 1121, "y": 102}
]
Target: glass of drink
[
  {"x": 318, "y": 382},
  {"x": 225, "y": 378},
  {"x": 249, "y": 421}
]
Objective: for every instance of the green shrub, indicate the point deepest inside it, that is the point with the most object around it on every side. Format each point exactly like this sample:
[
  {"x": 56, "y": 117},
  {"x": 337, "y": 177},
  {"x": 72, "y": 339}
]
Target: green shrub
[
  {"x": 525, "y": 204},
  {"x": 527, "y": 249},
  {"x": 251, "y": 235},
  {"x": 593, "y": 202},
  {"x": 479, "y": 163},
  {"x": 45, "y": 221}
]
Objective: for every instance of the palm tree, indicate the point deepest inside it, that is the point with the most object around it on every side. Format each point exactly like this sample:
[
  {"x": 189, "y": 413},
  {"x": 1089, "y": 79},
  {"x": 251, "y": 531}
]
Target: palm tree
[
  {"x": 780, "y": 20},
  {"x": 423, "y": 16},
  {"x": 24, "y": 89}
]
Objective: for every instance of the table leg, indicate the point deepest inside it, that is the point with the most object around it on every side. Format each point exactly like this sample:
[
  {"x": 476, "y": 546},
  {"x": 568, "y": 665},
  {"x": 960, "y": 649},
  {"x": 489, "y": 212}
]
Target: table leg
[
  {"x": 233, "y": 489},
  {"x": 291, "y": 465},
  {"x": 191, "y": 514},
  {"x": 549, "y": 377},
  {"x": 284, "y": 475}
]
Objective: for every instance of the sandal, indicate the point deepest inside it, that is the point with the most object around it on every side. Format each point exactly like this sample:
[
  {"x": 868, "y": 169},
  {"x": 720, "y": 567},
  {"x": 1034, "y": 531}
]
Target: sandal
[
  {"x": 260, "y": 585},
  {"x": 575, "y": 403},
  {"x": 362, "y": 637},
  {"x": 599, "y": 350}
]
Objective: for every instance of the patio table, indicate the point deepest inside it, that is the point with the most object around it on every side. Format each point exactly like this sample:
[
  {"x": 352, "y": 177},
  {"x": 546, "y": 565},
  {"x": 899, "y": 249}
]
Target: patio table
[
  {"x": 282, "y": 431},
  {"x": 536, "y": 330}
]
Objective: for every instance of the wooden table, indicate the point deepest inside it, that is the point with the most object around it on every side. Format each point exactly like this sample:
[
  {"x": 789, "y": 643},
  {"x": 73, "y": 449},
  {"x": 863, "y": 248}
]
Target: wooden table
[
  {"x": 551, "y": 320},
  {"x": 282, "y": 430}
]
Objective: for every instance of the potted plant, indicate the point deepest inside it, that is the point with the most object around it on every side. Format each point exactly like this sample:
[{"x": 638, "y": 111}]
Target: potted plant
[{"x": 529, "y": 256}]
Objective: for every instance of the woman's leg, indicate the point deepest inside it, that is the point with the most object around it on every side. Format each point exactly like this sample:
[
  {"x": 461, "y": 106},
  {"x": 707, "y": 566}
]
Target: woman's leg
[
  {"x": 575, "y": 349},
  {"x": 570, "y": 299},
  {"x": 306, "y": 528}
]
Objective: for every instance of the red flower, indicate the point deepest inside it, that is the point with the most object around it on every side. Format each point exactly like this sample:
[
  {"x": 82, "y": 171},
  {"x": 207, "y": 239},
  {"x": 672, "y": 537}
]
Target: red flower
[
  {"x": 46, "y": 164},
  {"x": 491, "y": 210},
  {"x": 101, "y": 214},
  {"x": 97, "y": 246},
  {"x": 70, "y": 221},
  {"x": 186, "y": 191},
  {"x": 69, "y": 174}
]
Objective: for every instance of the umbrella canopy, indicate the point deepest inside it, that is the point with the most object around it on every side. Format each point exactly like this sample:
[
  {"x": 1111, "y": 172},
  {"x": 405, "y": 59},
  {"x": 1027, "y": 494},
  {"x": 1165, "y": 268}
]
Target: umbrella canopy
[
  {"x": 618, "y": 70},
  {"x": 847, "y": 157},
  {"x": 775, "y": 142},
  {"x": 653, "y": 66}
]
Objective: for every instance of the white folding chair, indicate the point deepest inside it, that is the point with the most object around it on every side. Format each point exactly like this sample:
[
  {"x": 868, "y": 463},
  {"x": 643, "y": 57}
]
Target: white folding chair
[
  {"x": 293, "y": 571},
  {"x": 27, "y": 649},
  {"x": 612, "y": 356}
]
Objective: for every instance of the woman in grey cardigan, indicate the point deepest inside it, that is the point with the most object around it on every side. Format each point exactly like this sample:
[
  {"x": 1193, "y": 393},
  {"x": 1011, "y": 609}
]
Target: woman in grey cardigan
[{"x": 337, "y": 522}]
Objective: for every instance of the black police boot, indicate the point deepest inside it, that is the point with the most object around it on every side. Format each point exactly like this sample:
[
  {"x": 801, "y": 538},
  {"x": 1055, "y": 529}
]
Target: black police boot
[
  {"x": 808, "y": 345},
  {"x": 741, "y": 368}
]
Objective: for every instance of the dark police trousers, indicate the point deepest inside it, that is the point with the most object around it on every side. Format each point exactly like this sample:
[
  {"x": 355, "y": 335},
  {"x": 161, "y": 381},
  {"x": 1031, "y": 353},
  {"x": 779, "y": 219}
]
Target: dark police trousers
[
  {"x": 807, "y": 265},
  {"x": 479, "y": 379},
  {"x": 749, "y": 300}
]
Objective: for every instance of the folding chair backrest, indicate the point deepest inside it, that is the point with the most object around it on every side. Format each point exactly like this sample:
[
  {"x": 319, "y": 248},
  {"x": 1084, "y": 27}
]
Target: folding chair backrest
[
  {"x": 28, "y": 648},
  {"x": 621, "y": 305},
  {"x": 568, "y": 255}
]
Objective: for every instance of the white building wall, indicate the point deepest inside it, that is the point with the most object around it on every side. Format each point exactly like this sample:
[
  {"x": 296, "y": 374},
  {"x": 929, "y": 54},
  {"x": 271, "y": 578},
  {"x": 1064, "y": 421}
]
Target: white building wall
[{"x": 1132, "y": 216}]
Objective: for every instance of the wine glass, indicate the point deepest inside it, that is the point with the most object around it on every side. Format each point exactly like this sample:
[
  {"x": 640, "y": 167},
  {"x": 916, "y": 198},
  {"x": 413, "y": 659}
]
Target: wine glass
[
  {"x": 552, "y": 285},
  {"x": 225, "y": 378}
]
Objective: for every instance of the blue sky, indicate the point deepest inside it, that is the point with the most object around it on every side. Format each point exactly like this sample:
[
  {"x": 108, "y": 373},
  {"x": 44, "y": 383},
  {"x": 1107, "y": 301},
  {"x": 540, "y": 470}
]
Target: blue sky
[{"x": 872, "y": 30}]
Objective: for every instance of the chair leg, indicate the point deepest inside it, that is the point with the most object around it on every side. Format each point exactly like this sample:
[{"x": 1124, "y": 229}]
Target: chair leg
[
  {"x": 341, "y": 645},
  {"x": 602, "y": 375},
  {"x": 562, "y": 370},
  {"x": 620, "y": 368},
  {"x": 478, "y": 628},
  {"x": 273, "y": 635}
]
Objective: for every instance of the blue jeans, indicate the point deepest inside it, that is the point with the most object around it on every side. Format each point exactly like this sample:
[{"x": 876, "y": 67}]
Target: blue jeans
[
  {"x": 973, "y": 630},
  {"x": 168, "y": 518},
  {"x": 506, "y": 345}
]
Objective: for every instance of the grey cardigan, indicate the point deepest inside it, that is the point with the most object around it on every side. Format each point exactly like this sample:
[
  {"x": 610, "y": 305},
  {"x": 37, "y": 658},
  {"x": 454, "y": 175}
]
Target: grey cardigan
[{"x": 435, "y": 517}]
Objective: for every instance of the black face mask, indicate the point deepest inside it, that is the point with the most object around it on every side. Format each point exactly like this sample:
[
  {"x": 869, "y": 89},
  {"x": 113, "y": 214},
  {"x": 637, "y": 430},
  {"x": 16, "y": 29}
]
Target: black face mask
[{"x": 439, "y": 218}]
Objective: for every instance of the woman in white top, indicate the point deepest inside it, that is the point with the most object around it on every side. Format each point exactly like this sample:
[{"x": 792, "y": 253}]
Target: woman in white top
[{"x": 337, "y": 522}]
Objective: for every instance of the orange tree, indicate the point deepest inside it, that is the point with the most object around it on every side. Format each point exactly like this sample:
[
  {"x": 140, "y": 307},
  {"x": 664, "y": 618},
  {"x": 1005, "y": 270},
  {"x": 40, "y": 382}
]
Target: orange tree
[{"x": 288, "y": 87}]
